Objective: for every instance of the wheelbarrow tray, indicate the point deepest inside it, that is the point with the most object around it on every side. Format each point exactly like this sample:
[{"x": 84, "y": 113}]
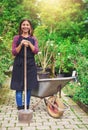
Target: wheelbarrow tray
[{"x": 50, "y": 86}]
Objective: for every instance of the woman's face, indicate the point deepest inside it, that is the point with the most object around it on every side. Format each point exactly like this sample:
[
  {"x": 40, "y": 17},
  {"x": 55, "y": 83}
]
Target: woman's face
[{"x": 25, "y": 27}]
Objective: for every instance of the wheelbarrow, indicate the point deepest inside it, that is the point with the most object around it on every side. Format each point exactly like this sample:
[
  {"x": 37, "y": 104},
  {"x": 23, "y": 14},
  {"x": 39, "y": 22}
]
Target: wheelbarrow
[{"x": 48, "y": 90}]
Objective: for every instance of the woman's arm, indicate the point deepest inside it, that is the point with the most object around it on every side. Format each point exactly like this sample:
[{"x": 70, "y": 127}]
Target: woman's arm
[
  {"x": 14, "y": 45},
  {"x": 34, "y": 48},
  {"x": 16, "y": 49}
]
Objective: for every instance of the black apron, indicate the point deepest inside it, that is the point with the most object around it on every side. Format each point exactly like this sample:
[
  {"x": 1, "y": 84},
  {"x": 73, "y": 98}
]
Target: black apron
[{"x": 17, "y": 81}]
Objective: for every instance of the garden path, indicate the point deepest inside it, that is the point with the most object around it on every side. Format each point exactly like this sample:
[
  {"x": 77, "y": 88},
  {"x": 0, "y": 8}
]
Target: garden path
[{"x": 73, "y": 119}]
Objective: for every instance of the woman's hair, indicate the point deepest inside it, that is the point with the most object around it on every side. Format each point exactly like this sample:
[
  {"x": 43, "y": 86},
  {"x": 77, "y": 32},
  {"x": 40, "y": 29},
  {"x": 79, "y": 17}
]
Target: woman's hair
[{"x": 31, "y": 29}]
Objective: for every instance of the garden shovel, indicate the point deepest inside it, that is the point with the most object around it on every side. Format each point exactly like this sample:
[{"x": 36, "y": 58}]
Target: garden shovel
[{"x": 25, "y": 116}]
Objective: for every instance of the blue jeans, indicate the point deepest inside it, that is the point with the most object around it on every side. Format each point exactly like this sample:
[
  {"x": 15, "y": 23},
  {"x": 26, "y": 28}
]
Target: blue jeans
[{"x": 19, "y": 95}]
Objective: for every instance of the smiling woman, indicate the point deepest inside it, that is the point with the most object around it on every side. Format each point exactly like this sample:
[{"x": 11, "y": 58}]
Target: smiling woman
[{"x": 25, "y": 40}]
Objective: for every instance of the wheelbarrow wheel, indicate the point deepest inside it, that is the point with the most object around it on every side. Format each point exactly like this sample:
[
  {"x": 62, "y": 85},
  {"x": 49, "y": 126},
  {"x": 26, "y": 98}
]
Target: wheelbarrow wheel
[{"x": 55, "y": 107}]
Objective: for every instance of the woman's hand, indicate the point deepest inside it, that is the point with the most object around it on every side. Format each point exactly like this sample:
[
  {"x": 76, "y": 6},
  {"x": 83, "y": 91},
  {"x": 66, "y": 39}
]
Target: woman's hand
[
  {"x": 28, "y": 44},
  {"x": 25, "y": 43}
]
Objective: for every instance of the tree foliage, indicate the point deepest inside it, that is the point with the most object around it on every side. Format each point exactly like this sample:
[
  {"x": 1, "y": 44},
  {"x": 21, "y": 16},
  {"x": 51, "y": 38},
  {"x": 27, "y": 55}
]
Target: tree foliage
[
  {"x": 65, "y": 17},
  {"x": 32, "y": 8}
]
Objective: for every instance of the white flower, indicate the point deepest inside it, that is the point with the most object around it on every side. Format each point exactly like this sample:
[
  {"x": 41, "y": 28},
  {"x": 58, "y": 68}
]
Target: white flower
[
  {"x": 39, "y": 52},
  {"x": 58, "y": 54}
]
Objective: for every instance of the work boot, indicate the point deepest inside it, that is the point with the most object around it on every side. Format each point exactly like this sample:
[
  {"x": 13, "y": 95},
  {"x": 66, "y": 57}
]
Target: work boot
[
  {"x": 27, "y": 106},
  {"x": 20, "y": 107}
]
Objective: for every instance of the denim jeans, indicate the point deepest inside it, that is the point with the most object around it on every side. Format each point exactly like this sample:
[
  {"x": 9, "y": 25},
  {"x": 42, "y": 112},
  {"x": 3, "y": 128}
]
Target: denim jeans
[{"x": 19, "y": 95}]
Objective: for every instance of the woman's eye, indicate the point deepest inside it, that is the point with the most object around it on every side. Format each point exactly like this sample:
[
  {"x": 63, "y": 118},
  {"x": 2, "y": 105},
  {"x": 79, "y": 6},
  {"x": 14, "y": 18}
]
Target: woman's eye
[{"x": 25, "y": 24}]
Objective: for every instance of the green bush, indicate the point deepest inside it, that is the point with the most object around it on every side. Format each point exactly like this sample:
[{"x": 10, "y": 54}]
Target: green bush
[
  {"x": 81, "y": 95},
  {"x": 82, "y": 69},
  {"x": 79, "y": 91},
  {"x": 5, "y": 58}
]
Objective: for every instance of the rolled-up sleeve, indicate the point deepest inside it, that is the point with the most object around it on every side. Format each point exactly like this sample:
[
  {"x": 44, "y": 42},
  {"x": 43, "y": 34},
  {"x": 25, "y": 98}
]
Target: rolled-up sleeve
[
  {"x": 14, "y": 45},
  {"x": 36, "y": 46}
]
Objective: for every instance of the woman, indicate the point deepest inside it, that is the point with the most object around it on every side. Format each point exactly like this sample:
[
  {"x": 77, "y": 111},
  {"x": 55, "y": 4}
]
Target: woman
[{"x": 25, "y": 38}]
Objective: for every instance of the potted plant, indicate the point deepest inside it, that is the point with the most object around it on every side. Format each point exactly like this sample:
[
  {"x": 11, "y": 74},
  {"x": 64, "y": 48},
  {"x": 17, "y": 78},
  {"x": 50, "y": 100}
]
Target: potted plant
[{"x": 46, "y": 56}]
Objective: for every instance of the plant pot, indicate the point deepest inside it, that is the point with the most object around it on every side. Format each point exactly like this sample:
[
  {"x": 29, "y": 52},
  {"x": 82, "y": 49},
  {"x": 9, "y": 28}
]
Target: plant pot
[
  {"x": 43, "y": 75},
  {"x": 39, "y": 69},
  {"x": 60, "y": 75}
]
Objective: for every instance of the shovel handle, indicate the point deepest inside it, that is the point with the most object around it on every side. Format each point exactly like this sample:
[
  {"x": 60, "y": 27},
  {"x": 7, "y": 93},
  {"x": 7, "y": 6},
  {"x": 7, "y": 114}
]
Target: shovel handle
[{"x": 25, "y": 76}]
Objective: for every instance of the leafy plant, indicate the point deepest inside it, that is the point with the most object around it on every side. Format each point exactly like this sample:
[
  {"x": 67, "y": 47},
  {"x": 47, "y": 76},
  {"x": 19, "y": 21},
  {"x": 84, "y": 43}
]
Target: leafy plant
[
  {"x": 48, "y": 49},
  {"x": 66, "y": 57},
  {"x": 47, "y": 54}
]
